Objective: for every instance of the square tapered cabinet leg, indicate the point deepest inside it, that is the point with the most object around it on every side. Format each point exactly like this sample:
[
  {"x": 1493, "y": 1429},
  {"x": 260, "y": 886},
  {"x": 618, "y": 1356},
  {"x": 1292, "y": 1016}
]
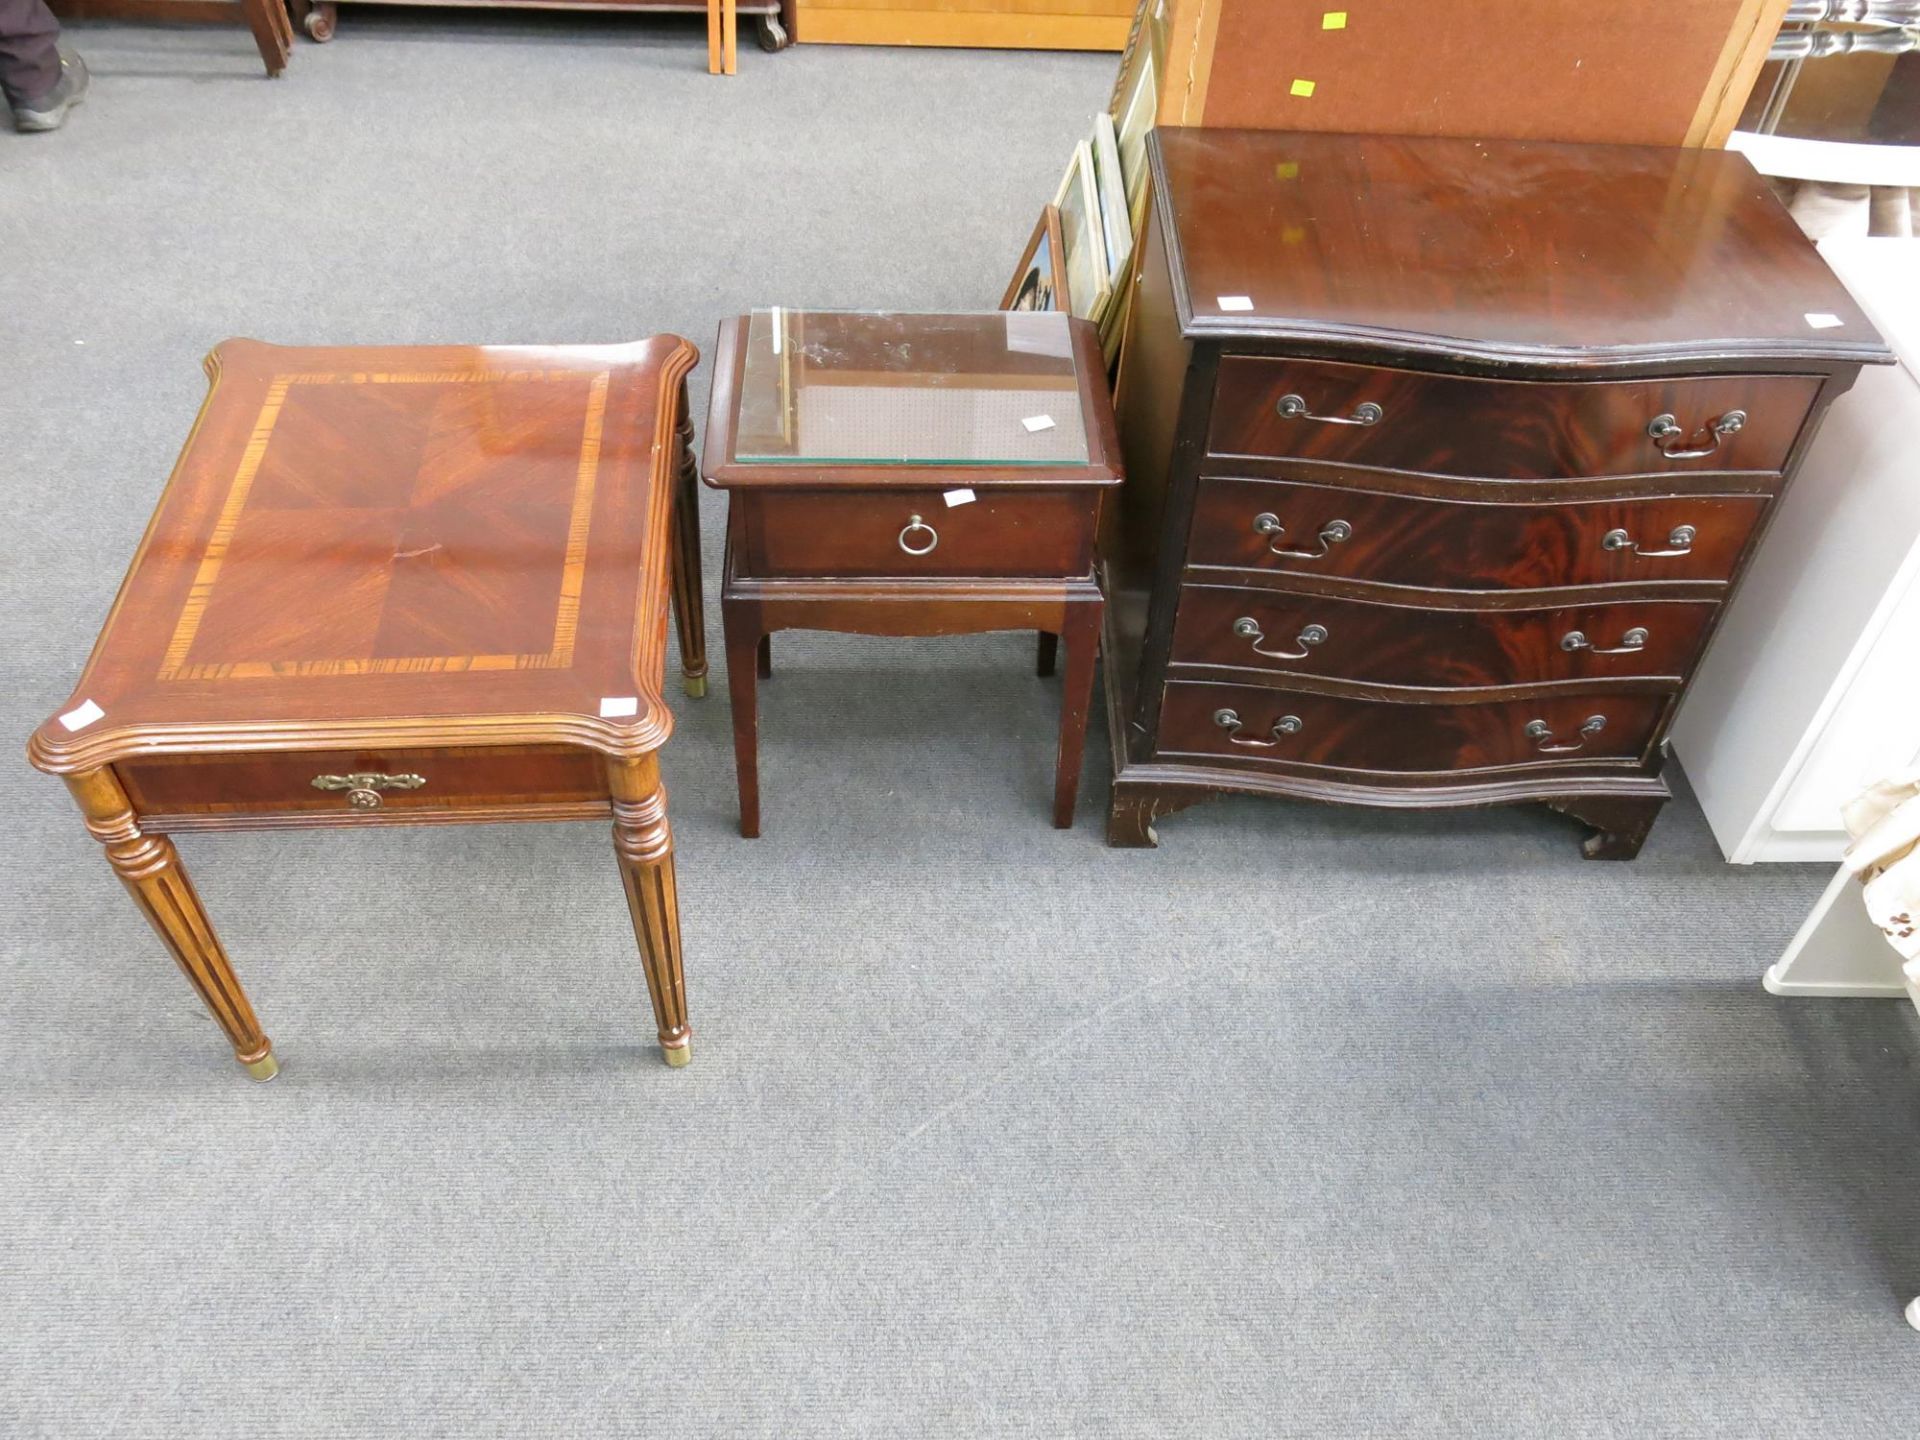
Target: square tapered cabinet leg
[
  {"x": 150, "y": 868},
  {"x": 643, "y": 844},
  {"x": 1076, "y": 699},
  {"x": 745, "y": 647}
]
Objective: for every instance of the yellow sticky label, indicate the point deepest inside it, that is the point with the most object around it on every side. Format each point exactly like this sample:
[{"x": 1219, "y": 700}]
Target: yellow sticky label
[
  {"x": 1293, "y": 235},
  {"x": 1288, "y": 169},
  {"x": 1334, "y": 20},
  {"x": 1303, "y": 88}
]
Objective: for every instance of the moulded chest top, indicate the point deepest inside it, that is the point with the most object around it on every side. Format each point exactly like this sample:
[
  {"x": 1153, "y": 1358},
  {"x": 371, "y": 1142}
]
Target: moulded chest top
[
  {"x": 1518, "y": 251},
  {"x": 422, "y": 546}
]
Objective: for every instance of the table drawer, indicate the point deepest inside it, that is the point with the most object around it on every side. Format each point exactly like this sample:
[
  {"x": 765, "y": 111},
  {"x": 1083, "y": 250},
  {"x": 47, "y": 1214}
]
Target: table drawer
[
  {"x": 1242, "y": 724},
  {"x": 1505, "y": 429},
  {"x": 284, "y": 783},
  {"x": 839, "y": 533},
  {"x": 1424, "y": 645},
  {"x": 1288, "y": 526}
]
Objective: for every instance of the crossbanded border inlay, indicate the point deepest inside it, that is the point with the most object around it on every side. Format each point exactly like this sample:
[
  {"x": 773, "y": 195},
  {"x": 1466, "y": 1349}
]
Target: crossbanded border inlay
[{"x": 572, "y": 573}]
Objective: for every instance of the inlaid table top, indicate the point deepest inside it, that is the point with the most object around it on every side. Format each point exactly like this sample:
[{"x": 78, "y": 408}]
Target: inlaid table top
[{"x": 421, "y": 546}]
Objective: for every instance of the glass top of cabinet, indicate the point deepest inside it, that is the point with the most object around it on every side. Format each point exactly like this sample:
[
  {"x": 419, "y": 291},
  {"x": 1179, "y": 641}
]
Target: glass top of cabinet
[{"x": 843, "y": 387}]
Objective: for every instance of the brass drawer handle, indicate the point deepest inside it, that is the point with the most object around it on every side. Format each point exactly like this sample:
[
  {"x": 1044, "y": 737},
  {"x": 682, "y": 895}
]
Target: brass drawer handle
[
  {"x": 1665, "y": 431},
  {"x": 1540, "y": 733},
  {"x": 1680, "y": 539},
  {"x": 1293, "y": 407},
  {"x": 914, "y": 522},
  {"x": 1634, "y": 639},
  {"x": 1248, "y": 628},
  {"x": 1331, "y": 534},
  {"x": 363, "y": 787},
  {"x": 1229, "y": 720}
]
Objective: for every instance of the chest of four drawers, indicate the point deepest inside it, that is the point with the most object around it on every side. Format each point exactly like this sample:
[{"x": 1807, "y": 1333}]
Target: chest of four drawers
[{"x": 1391, "y": 572}]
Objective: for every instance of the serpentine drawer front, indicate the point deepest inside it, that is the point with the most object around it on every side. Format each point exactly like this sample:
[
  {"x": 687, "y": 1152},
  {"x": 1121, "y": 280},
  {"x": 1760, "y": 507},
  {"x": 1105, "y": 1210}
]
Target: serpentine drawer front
[
  {"x": 1243, "y": 725},
  {"x": 1444, "y": 458},
  {"x": 1355, "y": 534},
  {"x": 1428, "y": 645},
  {"x": 1505, "y": 429},
  {"x": 848, "y": 532}
]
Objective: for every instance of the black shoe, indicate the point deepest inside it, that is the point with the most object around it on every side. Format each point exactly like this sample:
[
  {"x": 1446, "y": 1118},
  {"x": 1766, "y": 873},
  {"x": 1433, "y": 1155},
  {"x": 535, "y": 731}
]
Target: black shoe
[{"x": 47, "y": 112}]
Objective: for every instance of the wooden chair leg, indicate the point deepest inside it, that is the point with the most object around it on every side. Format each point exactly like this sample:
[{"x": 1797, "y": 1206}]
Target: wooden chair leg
[
  {"x": 713, "y": 37},
  {"x": 1048, "y": 655},
  {"x": 763, "y": 665},
  {"x": 730, "y": 35}
]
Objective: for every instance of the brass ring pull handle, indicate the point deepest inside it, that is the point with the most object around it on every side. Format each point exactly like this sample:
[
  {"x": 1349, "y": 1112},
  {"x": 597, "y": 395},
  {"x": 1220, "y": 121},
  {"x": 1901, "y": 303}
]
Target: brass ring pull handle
[
  {"x": 1248, "y": 628},
  {"x": 1665, "y": 432},
  {"x": 1229, "y": 721},
  {"x": 914, "y": 522},
  {"x": 363, "y": 787},
  {"x": 1679, "y": 540},
  {"x": 1292, "y": 407},
  {"x": 1331, "y": 534},
  {"x": 1634, "y": 639},
  {"x": 1540, "y": 733}
]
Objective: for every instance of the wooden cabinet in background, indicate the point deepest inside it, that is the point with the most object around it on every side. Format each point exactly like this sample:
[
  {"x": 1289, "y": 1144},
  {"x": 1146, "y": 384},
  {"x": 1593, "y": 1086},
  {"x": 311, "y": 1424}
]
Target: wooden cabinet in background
[
  {"x": 990, "y": 24},
  {"x": 1443, "y": 460}
]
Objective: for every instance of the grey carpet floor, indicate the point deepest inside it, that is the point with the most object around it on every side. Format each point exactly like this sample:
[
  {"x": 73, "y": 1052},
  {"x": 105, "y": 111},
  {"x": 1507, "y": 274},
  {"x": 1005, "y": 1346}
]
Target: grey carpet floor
[{"x": 1313, "y": 1123}]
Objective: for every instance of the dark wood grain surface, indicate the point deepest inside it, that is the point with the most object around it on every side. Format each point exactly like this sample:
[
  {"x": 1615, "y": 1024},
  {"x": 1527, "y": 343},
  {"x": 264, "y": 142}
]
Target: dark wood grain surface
[
  {"x": 844, "y": 532},
  {"x": 1460, "y": 545},
  {"x": 1472, "y": 249},
  {"x": 1403, "y": 739},
  {"x": 1504, "y": 429},
  {"x": 1423, "y": 645}
]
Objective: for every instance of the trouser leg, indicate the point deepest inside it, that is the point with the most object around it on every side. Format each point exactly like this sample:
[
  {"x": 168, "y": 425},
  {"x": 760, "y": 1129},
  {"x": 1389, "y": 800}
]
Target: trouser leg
[{"x": 29, "y": 49}]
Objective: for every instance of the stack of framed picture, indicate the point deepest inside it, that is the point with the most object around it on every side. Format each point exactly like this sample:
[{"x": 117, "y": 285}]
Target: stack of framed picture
[{"x": 1080, "y": 256}]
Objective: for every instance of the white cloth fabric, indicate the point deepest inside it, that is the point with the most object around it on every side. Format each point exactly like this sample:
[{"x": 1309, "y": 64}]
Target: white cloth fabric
[{"x": 1884, "y": 821}]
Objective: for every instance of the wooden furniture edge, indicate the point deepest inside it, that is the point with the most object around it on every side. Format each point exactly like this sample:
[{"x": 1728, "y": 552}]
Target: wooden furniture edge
[{"x": 55, "y": 754}]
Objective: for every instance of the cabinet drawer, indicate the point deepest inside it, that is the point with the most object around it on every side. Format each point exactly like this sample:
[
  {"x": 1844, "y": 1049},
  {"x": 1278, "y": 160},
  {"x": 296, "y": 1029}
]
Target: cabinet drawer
[
  {"x": 283, "y": 783},
  {"x": 1304, "y": 529},
  {"x": 1422, "y": 645},
  {"x": 915, "y": 532},
  {"x": 1505, "y": 429},
  {"x": 1244, "y": 724}
]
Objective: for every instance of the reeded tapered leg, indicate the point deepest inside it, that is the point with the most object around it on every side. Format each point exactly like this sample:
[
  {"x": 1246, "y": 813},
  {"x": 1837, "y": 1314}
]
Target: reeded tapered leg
[
  {"x": 149, "y": 867},
  {"x": 1076, "y": 699},
  {"x": 688, "y": 617},
  {"x": 643, "y": 844},
  {"x": 1048, "y": 653},
  {"x": 743, "y": 651}
]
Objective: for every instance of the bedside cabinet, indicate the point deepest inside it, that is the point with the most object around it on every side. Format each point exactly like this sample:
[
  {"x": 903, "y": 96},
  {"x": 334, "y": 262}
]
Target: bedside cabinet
[{"x": 1444, "y": 458}]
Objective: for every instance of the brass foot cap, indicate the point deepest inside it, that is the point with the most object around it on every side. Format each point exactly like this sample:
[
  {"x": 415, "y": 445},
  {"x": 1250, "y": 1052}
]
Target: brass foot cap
[
  {"x": 265, "y": 1068},
  {"x": 696, "y": 686},
  {"x": 677, "y": 1055}
]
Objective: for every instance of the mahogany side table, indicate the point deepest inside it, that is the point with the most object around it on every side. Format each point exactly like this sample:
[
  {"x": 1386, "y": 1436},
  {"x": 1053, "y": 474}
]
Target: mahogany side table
[
  {"x": 897, "y": 474},
  {"x": 392, "y": 586}
]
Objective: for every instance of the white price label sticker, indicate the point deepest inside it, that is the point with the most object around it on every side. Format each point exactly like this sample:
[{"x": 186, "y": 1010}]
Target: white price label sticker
[
  {"x": 1036, "y": 423},
  {"x": 1234, "y": 302},
  {"x": 82, "y": 715},
  {"x": 1824, "y": 321},
  {"x": 958, "y": 497},
  {"x": 615, "y": 707}
]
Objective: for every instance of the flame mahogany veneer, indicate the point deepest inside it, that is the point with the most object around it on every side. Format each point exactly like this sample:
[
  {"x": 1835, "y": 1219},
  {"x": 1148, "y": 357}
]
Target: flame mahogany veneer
[{"x": 1443, "y": 460}]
